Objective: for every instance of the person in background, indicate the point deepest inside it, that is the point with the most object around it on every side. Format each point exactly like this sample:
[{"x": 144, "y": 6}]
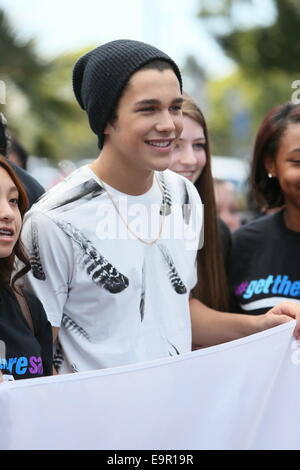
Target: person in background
[
  {"x": 17, "y": 154},
  {"x": 25, "y": 333},
  {"x": 191, "y": 158},
  {"x": 265, "y": 260},
  {"x": 227, "y": 203},
  {"x": 33, "y": 189}
]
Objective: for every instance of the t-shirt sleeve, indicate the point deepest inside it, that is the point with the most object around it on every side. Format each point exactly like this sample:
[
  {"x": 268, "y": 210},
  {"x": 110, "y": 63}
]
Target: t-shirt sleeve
[{"x": 51, "y": 258}]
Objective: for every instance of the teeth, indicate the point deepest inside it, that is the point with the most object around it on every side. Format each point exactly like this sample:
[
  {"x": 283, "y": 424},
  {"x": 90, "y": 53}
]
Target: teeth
[
  {"x": 160, "y": 144},
  {"x": 5, "y": 232}
]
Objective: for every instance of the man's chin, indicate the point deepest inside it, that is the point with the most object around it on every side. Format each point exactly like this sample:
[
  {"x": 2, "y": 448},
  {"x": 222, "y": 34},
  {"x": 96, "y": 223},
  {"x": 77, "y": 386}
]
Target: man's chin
[{"x": 162, "y": 166}]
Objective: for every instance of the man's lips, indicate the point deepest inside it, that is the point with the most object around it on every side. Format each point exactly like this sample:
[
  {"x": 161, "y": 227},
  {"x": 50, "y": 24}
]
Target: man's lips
[{"x": 160, "y": 144}]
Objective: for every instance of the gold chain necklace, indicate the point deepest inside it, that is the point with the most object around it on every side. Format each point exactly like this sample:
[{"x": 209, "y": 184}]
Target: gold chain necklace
[{"x": 127, "y": 225}]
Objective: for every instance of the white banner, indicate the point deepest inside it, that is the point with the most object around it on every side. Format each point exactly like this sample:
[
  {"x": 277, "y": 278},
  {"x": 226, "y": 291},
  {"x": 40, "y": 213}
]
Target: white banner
[{"x": 239, "y": 395}]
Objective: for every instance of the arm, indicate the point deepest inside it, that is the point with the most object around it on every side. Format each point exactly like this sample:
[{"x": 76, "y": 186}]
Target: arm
[{"x": 210, "y": 327}]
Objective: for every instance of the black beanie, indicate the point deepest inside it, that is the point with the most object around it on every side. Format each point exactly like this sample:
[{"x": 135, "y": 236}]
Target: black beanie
[{"x": 100, "y": 76}]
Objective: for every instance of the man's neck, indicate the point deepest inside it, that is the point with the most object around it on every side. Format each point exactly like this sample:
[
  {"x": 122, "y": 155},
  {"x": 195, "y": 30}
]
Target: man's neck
[{"x": 133, "y": 182}]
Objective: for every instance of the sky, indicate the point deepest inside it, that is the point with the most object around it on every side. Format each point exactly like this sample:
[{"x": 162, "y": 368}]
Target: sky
[
  {"x": 171, "y": 25},
  {"x": 66, "y": 25}
]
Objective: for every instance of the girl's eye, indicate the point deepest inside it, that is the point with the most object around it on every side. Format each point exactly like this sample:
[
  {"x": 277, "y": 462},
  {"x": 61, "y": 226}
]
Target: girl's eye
[
  {"x": 14, "y": 201},
  {"x": 199, "y": 146}
]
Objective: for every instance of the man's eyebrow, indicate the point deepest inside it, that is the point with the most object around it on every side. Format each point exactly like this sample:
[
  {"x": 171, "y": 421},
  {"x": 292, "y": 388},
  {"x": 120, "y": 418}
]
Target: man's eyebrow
[
  {"x": 178, "y": 101},
  {"x": 156, "y": 102},
  {"x": 294, "y": 150}
]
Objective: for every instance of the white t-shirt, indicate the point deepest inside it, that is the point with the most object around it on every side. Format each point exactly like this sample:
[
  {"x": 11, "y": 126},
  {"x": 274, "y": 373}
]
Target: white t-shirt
[{"x": 116, "y": 300}]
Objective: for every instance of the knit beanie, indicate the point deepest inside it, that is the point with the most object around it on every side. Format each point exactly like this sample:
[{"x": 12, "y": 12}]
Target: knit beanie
[{"x": 100, "y": 76}]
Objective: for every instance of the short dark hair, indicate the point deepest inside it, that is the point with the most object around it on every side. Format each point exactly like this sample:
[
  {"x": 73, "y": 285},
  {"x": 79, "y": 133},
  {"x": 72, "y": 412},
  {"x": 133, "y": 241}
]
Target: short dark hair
[{"x": 267, "y": 191}]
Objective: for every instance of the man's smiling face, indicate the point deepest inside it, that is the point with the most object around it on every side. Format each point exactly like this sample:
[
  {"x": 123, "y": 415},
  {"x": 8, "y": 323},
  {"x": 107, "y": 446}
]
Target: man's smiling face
[{"x": 149, "y": 121}]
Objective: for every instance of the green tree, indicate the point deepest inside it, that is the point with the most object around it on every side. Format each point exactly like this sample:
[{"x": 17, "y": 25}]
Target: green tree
[
  {"x": 38, "y": 105},
  {"x": 267, "y": 59}
]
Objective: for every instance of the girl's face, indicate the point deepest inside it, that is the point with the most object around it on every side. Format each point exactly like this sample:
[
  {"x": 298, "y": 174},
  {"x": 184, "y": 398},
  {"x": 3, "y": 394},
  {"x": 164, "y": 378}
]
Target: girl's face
[
  {"x": 10, "y": 217},
  {"x": 189, "y": 157},
  {"x": 286, "y": 165}
]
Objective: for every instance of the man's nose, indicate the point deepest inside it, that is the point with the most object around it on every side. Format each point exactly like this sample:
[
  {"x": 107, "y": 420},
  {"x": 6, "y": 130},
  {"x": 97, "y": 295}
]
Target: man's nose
[{"x": 166, "y": 123}]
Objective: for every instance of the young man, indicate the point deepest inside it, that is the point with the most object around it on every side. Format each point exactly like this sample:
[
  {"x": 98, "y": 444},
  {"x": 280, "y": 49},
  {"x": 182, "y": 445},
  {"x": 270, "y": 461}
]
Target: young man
[{"x": 113, "y": 247}]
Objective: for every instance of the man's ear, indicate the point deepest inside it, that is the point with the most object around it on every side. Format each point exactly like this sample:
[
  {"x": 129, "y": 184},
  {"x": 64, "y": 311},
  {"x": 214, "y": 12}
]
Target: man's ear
[
  {"x": 108, "y": 129},
  {"x": 270, "y": 166}
]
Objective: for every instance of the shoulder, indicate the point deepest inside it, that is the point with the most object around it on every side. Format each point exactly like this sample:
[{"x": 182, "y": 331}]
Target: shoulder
[
  {"x": 181, "y": 185},
  {"x": 80, "y": 186},
  {"x": 224, "y": 230},
  {"x": 35, "y": 306},
  {"x": 225, "y": 235},
  {"x": 263, "y": 227}
]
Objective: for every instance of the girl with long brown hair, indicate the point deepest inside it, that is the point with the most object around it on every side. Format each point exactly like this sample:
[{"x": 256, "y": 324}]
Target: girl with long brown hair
[
  {"x": 192, "y": 159},
  {"x": 25, "y": 333}
]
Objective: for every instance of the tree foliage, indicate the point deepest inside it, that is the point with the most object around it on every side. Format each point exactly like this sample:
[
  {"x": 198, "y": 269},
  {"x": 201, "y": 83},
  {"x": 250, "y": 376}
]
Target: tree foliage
[
  {"x": 267, "y": 57},
  {"x": 40, "y": 105}
]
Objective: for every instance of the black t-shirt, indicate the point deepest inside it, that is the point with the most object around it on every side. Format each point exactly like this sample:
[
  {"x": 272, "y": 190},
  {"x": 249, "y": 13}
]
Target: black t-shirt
[
  {"x": 33, "y": 189},
  {"x": 26, "y": 356},
  {"x": 264, "y": 265},
  {"x": 225, "y": 241}
]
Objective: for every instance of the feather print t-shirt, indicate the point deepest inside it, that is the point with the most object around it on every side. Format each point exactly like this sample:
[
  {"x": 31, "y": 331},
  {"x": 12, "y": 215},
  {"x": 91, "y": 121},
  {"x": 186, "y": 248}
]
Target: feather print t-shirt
[{"x": 115, "y": 299}]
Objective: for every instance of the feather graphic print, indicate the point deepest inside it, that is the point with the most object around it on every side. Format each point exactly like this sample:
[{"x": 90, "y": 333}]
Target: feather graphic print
[
  {"x": 186, "y": 206},
  {"x": 142, "y": 301},
  {"x": 166, "y": 206},
  {"x": 97, "y": 267},
  {"x": 175, "y": 280},
  {"x": 71, "y": 325},
  {"x": 35, "y": 260},
  {"x": 73, "y": 197},
  {"x": 58, "y": 357},
  {"x": 175, "y": 349}
]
